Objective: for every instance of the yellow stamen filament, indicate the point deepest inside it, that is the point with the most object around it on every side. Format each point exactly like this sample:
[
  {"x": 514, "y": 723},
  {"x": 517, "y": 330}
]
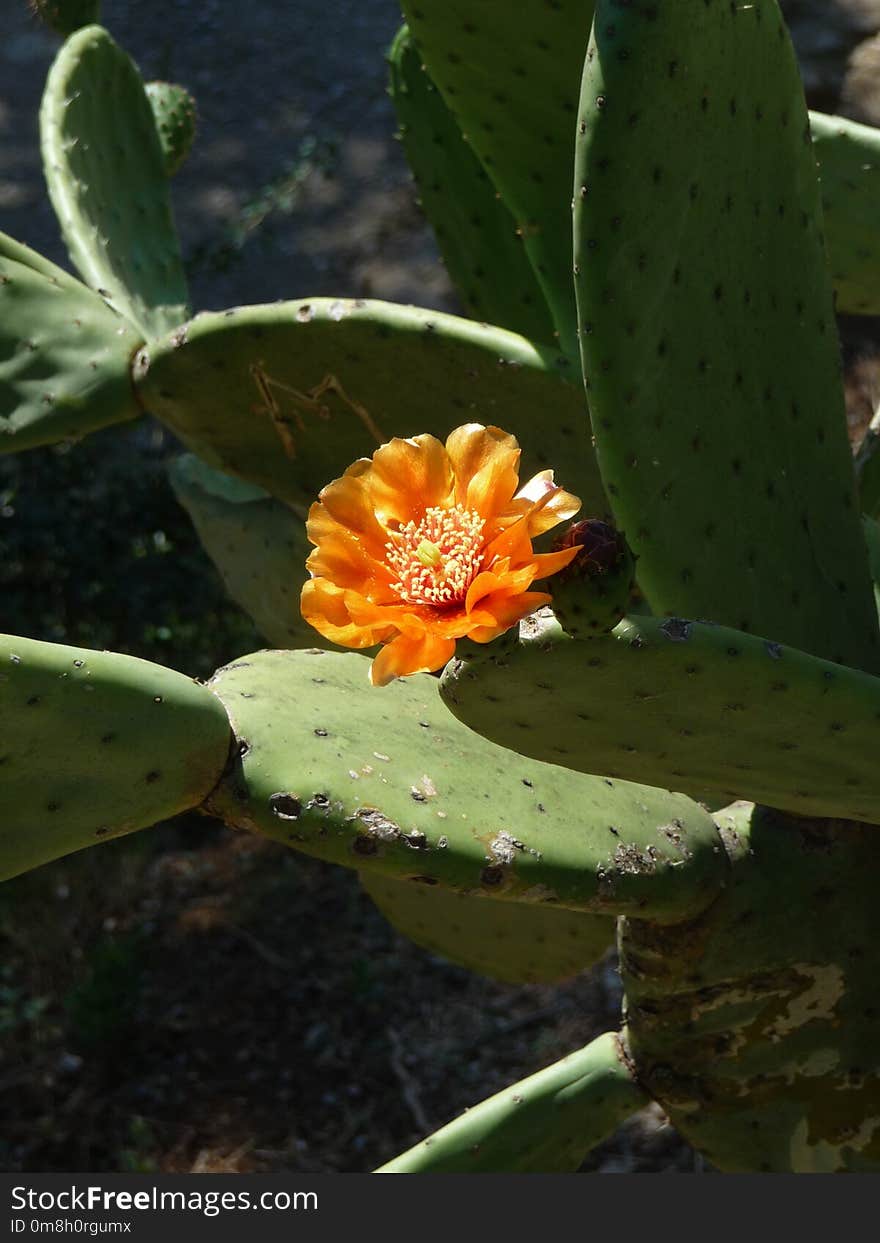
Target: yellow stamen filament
[{"x": 438, "y": 558}]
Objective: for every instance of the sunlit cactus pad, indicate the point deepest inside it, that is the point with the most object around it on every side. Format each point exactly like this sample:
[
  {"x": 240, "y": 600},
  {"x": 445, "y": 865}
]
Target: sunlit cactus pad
[
  {"x": 683, "y": 704},
  {"x": 389, "y": 781},
  {"x": 105, "y": 172},
  {"x": 707, "y": 328}
]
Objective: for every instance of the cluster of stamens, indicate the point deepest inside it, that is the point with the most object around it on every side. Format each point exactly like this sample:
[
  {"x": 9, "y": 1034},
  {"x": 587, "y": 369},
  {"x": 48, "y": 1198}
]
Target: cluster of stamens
[{"x": 438, "y": 558}]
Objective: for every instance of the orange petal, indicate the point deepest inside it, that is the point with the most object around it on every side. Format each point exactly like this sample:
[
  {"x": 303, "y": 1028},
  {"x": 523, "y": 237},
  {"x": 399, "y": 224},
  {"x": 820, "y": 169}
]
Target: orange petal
[
  {"x": 552, "y": 503},
  {"x": 408, "y": 477},
  {"x": 400, "y": 617},
  {"x": 324, "y": 606},
  {"x": 513, "y": 544},
  {"x": 347, "y": 501},
  {"x": 507, "y": 613},
  {"x": 342, "y": 558},
  {"x": 485, "y": 585},
  {"x": 486, "y": 465},
  {"x": 404, "y": 655},
  {"x": 547, "y": 563}
]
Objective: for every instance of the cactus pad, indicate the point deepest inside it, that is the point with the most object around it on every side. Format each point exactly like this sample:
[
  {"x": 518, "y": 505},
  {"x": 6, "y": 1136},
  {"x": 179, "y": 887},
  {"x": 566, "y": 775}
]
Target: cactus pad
[
  {"x": 105, "y": 172},
  {"x": 258, "y": 545},
  {"x": 65, "y": 355},
  {"x": 96, "y": 745},
  {"x": 289, "y": 395},
  {"x": 510, "y": 74},
  {"x": 686, "y": 705},
  {"x": 707, "y": 328},
  {"x": 545, "y": 1124},
  {"x": 517, "y": 942},
  {"x": 475, "y": 230},
  {"x": 386, "y": 780},
  {"x": 849, "y": 172}
]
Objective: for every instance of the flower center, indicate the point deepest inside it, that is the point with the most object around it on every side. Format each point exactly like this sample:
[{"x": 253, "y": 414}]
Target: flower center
[{"x": 437, "y": 559}]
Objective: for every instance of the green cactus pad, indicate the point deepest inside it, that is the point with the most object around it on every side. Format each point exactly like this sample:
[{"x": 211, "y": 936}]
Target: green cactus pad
[
  {"x": 517, "y": 942},
  {"x": 509, "y": 74},
  {"x": 105, "y": 172},
  {"x": 65, "y": 356},
  {"x": 289, "y": 395},
  {"x": 545, "y": 1124},
  {"x": 258, "y": 544},
  {"x": 756, "y": 1027},
  {"x": 849, "y": 172},
  {"x": 475, "y": 230},
  {"x": 687, "y": 705},
  {"x": 66, "y": 16},
  {"x": 96, "y": 745},
  {"x": 386, "y": 780},
  {"x": 174, "y": 111},
  {"x": 707, "y": 327}
]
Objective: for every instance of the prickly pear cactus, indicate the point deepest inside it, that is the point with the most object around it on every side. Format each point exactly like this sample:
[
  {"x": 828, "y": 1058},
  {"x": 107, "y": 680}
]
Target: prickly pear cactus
[
  {"x": 704, "y": 324},
  {"x": 683, "y": 704}
]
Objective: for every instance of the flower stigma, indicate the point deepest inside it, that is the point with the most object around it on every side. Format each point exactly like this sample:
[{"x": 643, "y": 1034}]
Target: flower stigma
[{"x": 437, "y": 558}]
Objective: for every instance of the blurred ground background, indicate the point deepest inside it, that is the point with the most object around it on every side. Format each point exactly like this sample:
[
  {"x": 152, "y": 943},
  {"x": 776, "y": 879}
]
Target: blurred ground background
[{"x": 192, "y": 999}]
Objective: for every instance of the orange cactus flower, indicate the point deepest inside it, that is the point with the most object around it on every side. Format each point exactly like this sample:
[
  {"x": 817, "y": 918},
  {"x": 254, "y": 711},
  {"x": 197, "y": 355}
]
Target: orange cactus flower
[{"x": 426, "y": 543}]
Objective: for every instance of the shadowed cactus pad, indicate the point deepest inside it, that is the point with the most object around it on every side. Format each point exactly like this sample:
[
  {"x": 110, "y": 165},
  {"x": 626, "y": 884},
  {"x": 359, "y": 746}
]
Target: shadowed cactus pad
[
  {"x": 849, "y": 172},
  {"x": 476, "y": 231},
  {"x": 509, "y": 74},
  {"x": 517, "y": 942},
  {"x": 258, "y": 545},
  {"x": 65, "y": 355}
]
